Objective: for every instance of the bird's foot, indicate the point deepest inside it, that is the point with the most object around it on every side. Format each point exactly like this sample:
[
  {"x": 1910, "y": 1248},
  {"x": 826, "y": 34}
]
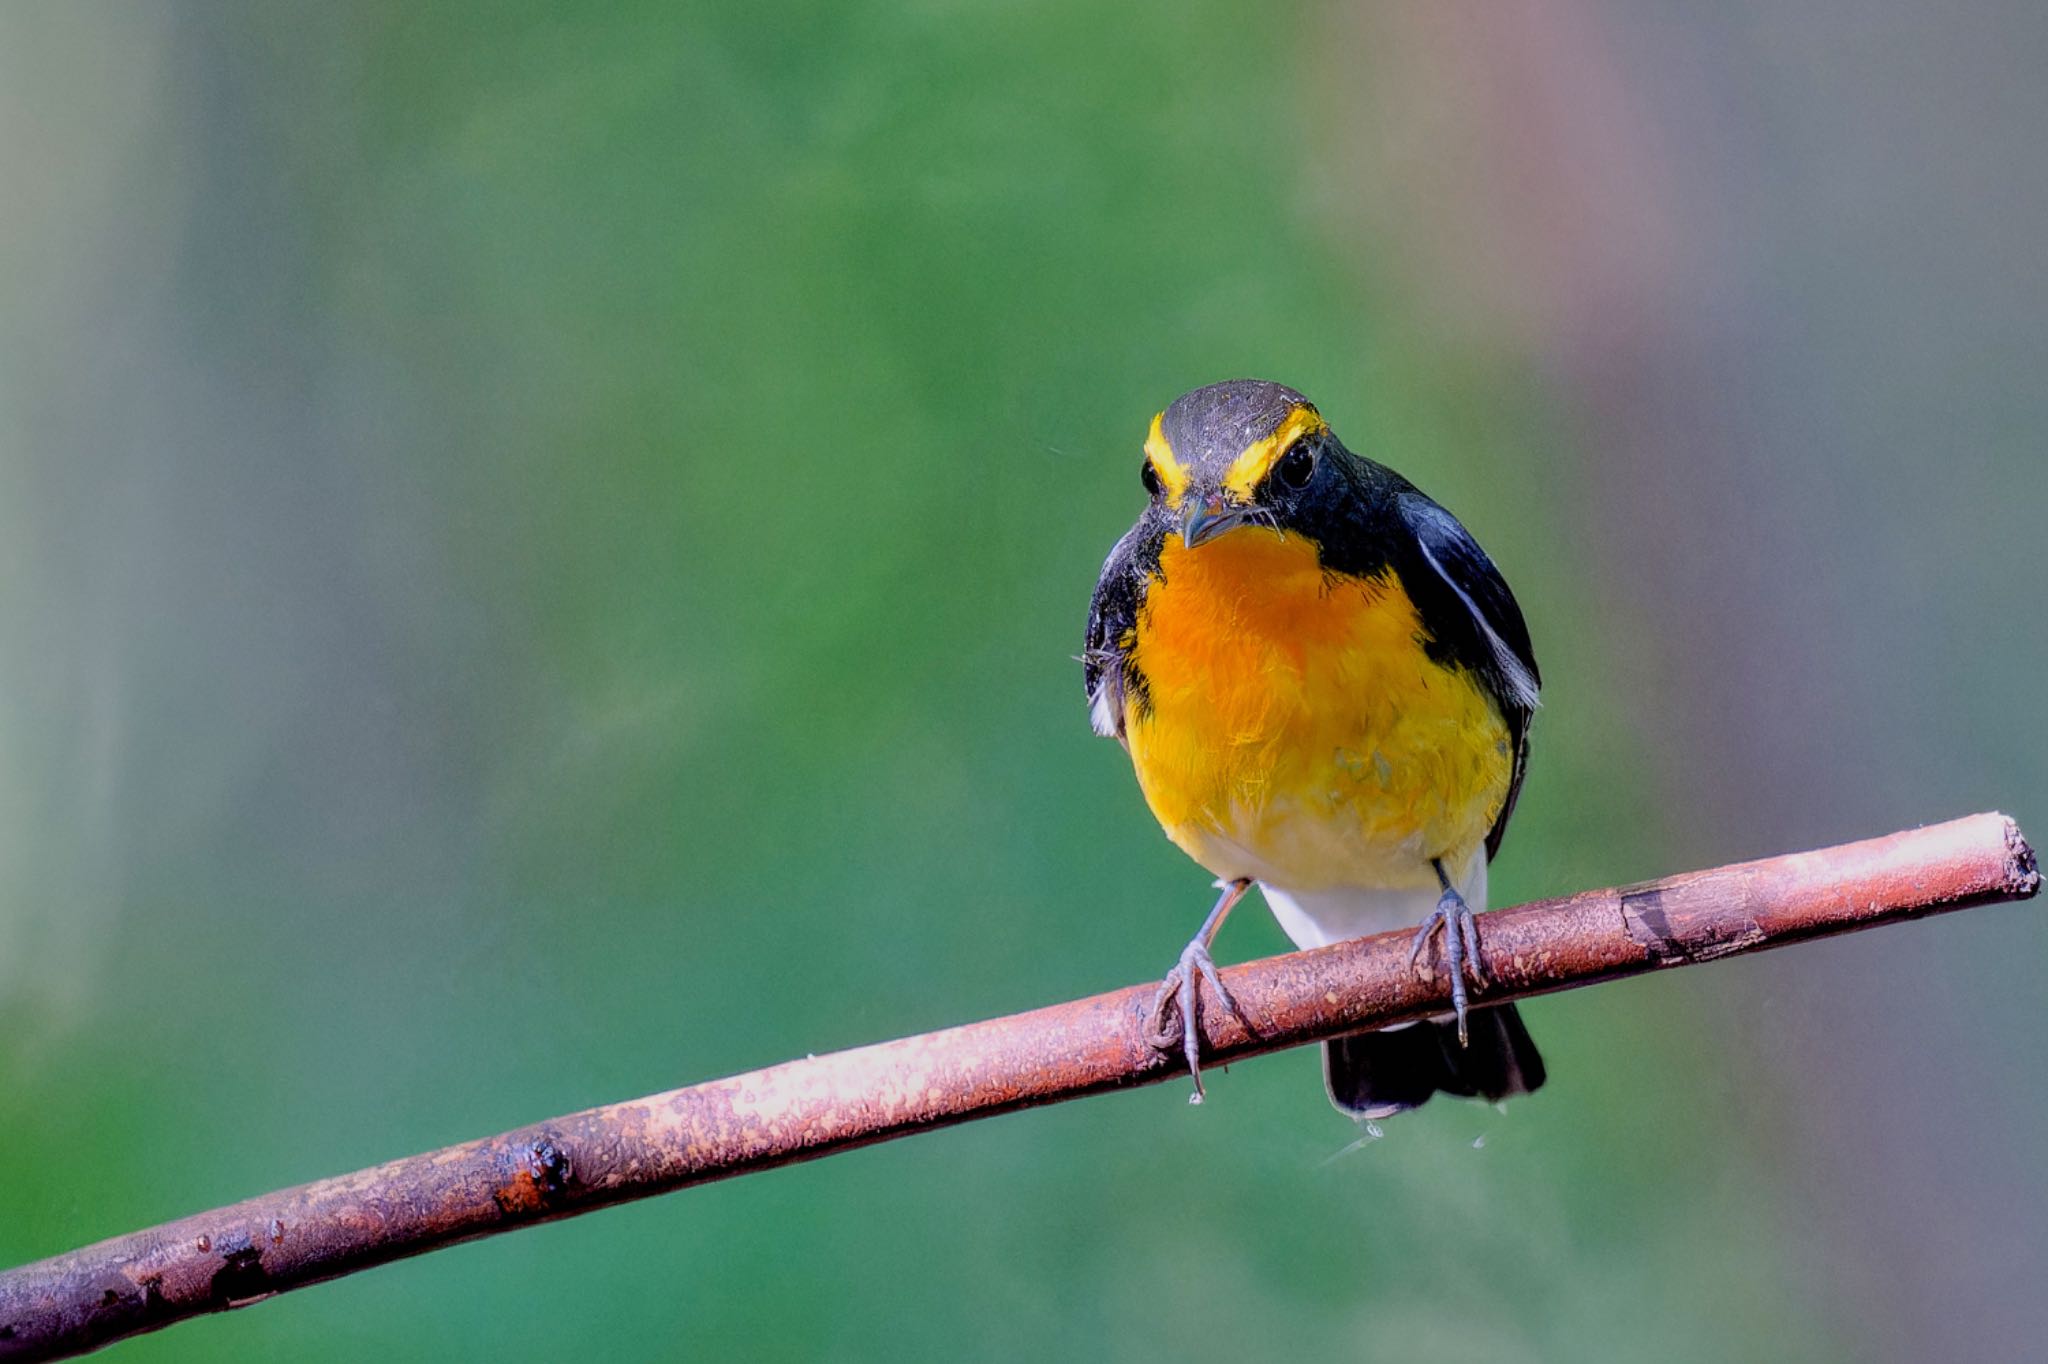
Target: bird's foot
[
  {"x": 1176, "y": 1009},
  {"x": 1461, "y": 947}
]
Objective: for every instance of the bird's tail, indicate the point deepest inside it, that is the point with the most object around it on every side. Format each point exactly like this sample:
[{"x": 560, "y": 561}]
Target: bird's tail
[{"x": 1378, "y": 1074}]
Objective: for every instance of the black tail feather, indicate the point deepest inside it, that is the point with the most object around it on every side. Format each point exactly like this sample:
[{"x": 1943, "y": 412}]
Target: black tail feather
[{"x": 1379, "y": 1074}]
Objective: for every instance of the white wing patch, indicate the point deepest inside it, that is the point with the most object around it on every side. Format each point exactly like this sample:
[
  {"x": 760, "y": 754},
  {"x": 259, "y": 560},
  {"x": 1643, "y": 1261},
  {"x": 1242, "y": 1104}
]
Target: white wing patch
[
  {"x": 1521, "y": 683},
  {"x": 1102, "y": 708}
]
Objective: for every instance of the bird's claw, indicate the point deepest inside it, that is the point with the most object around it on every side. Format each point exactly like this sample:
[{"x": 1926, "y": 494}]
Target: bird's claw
[
  {"x": 1461, "y": 948},
  {"x": 1179, "y": 994}
]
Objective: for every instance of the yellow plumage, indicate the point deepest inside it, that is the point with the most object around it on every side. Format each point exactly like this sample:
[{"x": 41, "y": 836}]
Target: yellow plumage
[
  {"x": 1297, "y": 733},
  {"x": 1325, "y": 687}
]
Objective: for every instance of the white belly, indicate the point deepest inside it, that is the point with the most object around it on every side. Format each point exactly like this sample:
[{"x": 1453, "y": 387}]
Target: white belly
[{"x": 1317, "y": 918}]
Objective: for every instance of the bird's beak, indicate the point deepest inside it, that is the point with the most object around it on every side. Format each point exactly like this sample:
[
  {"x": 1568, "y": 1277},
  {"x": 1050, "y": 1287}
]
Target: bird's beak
[{"x": 1205, "y": 519}]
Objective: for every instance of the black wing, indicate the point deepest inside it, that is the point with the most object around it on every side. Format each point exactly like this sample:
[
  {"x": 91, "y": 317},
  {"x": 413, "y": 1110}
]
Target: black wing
[
  {"x": 1106, "y": 667},
  {"x": 1473, "y": 620}
]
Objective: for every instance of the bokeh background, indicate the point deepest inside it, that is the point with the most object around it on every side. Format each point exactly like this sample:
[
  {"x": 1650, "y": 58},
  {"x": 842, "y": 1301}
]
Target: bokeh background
[{"x": 540, "y": 554}]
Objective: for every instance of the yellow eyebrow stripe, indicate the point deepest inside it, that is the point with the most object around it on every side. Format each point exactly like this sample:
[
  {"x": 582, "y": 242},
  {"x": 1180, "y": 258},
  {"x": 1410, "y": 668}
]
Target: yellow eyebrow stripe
[
  {"x": 1173, "y": 475},
  {"x": 1249, "y": 469}
]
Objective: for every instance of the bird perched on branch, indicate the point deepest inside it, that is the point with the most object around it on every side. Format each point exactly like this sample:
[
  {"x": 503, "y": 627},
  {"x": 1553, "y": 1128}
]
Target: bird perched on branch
[{"x": 1325, "y": 687}]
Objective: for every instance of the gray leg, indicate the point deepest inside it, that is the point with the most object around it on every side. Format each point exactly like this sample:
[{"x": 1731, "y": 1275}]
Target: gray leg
[
  {"x": 1461, "y": 942},
  {"x": 1178, "y": 993}
]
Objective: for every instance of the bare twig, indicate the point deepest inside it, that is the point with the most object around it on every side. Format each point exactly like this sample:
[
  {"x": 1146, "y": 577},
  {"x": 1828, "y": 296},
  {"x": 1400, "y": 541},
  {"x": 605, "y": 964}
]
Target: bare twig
[{"x": 813, "y": 1107}]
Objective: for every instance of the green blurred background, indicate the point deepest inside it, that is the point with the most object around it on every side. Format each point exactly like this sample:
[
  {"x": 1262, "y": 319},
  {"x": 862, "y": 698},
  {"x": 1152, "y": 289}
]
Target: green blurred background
[{"x": 540, "y": 558}]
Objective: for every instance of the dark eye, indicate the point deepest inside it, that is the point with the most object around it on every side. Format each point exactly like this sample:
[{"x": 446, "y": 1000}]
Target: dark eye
[
  {"x": 1149, "y": 476},
  {"x": 1297, "y": 466}
]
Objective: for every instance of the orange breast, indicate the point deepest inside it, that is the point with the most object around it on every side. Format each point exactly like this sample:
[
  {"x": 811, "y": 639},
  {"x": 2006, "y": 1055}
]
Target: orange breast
[{"x": 1297, "y": 731}]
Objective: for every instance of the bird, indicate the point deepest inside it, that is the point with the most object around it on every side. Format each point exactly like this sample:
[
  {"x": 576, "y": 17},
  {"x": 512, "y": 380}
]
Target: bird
[{"x": 1325, "y": 688}]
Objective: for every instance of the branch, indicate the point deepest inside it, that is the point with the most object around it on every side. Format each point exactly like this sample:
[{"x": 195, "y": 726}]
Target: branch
[{"x": 819, "y": 1105}]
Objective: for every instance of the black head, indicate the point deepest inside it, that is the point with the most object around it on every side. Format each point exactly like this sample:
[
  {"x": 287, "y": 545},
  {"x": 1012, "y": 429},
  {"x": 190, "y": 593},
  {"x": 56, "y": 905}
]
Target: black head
[{"x": 1245, "y": 451}]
